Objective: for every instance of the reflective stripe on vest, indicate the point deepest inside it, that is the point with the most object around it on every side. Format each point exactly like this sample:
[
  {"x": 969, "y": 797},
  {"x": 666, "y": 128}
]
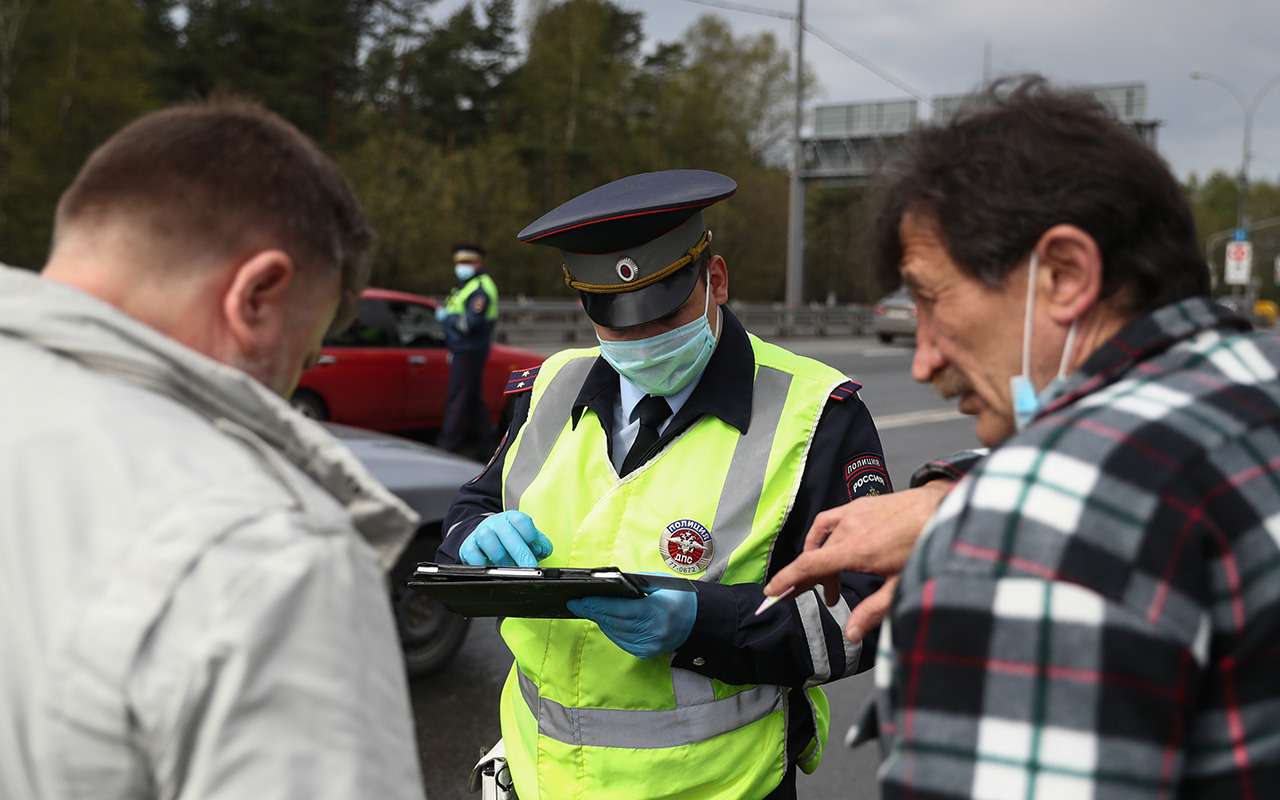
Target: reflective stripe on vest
[
  {"x": 811, "y": 612},
  {"x": 608, "y": 727},
  {"x": 737, "y": 506},
  {"x": 543, "y": 428}
]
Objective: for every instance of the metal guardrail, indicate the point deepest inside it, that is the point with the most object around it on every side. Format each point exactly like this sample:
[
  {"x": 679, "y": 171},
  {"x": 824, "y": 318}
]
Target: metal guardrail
[{"x": 563, "y": 321}]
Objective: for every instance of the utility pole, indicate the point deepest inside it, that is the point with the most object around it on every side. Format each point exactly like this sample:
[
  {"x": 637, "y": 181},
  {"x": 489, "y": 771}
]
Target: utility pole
[
  {"x": 795, "y": 219},
  {"x": 795, "y": 215}
]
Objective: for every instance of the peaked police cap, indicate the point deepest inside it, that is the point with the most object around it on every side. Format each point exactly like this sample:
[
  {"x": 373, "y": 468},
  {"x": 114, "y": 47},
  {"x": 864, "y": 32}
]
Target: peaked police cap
[{"x": 629, "y": 246}]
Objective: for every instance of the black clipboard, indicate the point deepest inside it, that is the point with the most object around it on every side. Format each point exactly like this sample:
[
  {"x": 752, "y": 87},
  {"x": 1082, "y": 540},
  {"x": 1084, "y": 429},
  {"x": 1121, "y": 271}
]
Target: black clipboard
[{"x": 534, "y": 592}]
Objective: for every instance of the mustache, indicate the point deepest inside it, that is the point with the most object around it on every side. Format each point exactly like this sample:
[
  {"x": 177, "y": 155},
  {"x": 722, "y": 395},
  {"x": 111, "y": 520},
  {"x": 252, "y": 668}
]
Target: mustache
[{"x": 950, "y": 383}]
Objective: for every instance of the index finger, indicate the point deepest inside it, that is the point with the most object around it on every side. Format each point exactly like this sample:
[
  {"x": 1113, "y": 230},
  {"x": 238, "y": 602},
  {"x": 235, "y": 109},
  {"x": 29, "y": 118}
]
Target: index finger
[
  {"x": 538, "y": 543},
  {"x": 515, "y": 545},
  {"x": 823, "y": 525},
  {"x": 807, "y": 570}
]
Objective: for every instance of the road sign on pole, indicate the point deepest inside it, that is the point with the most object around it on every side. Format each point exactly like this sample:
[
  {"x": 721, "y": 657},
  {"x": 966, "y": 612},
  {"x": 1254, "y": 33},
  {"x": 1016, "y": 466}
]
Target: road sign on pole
[{"x": 1239, "y": 263}]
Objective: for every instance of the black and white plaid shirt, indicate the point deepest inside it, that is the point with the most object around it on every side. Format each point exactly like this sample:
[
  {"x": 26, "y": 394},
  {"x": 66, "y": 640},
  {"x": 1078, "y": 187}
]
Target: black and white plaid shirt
[{"x": 1095, "y": 610}]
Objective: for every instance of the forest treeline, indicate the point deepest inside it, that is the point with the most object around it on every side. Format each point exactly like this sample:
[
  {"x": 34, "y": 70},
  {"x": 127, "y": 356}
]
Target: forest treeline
[{"x": 452, "y": 126}]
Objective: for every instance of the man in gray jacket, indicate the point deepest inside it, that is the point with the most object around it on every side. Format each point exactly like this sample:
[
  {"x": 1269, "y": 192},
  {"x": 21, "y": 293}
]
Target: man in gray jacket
[{"x": 191, "y": 585}]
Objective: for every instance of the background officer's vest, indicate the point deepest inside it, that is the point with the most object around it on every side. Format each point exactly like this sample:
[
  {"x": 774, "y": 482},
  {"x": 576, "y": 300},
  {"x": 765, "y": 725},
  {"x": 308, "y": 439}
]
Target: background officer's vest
[
  {"x": 580, "y": 717},
  {"x": 457, "y": 302}
]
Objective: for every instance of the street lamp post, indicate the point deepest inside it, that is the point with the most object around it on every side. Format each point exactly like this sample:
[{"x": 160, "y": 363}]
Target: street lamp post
[
  {"x": 1249, "y": 107},
  {"x": 795, "y": 215}
]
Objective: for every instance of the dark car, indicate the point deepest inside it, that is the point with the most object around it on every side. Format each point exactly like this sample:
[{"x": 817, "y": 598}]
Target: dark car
[
  {"x": 427, "y": 479},
  {"x": 389, "y": 371},
  {"x": 895, "y": 315}
]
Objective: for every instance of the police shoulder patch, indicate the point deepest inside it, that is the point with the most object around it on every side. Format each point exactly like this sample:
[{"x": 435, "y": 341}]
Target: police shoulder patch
[
  {"x": 521, "y": 380},
  {"x": 845, "y": 390},
  {"x": 865, "y": 475}
]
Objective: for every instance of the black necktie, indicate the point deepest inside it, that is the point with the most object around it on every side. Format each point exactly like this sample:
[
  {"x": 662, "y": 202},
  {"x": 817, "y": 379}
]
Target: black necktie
[{"x": 653, "y": 411}]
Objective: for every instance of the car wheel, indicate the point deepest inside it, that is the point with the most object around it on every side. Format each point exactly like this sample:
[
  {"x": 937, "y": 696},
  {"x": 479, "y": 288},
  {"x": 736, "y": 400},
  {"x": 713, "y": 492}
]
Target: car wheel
[
  {"x": 430, "y": 634},
  {"x": 309, "y": 404},
  {"x": 886, "y": 338}
]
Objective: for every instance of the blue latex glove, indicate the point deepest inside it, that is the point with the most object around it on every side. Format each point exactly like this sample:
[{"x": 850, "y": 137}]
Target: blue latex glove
[
  {"x": 509, "y": 539},
  {"x": 644, "y": 627},
  {"x": 441, "y": 313}
]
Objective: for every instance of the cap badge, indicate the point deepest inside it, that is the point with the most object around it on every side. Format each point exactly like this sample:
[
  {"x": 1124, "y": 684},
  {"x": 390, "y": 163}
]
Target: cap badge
[
  {"x": 627, "y": 270},
  {"x": 686, "y": 546}
]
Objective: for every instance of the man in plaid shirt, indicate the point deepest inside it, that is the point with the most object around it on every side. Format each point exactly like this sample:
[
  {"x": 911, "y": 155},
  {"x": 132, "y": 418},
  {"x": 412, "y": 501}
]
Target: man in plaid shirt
[{"x": 1094, "y": 610}]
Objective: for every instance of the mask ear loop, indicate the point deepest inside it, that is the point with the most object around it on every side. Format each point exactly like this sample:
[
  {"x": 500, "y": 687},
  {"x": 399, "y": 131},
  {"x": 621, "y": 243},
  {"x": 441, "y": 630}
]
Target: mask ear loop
[
  {"x": 706, "y": 306},
  {"x": 1027, "y": 320},
  {"x": 1067, "y": 350}
]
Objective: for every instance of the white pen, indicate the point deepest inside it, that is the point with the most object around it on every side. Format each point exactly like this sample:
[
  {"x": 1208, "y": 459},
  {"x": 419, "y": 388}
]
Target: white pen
[{"x": 769, "y": 601}]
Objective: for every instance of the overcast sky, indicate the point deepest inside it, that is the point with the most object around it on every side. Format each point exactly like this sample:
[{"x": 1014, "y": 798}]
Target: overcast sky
[{"x": 937, "y": 47}]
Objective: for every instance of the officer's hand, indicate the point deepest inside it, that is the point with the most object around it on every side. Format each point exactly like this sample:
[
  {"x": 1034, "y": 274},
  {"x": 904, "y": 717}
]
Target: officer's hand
[
  {"x": 644, "y": 627},
  {"x": 509, "y": 539},
  {"x": 441, "y": 313}
]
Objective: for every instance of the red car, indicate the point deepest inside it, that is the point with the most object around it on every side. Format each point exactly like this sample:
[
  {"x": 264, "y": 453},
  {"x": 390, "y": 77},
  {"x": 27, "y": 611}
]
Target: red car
[{"x": 390, "y": 371}]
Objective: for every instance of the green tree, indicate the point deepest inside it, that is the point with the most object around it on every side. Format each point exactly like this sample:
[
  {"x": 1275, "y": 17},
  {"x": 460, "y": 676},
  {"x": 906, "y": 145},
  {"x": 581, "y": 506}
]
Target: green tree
[
  {"x": 837, "y": 262},
  {"x": 568, "y": 101},
  {"x": 1213, "y": 202},
  {"x": 588, "y": 107},
  {"x": 78, "y": 73},
  {"x": 442, "y": 127},
  {"x": 299, "y": 57},
  {"x": 444, "y": 82},
  {"x": 730, "y": 102},
  {"x": 422, "y": 198}
]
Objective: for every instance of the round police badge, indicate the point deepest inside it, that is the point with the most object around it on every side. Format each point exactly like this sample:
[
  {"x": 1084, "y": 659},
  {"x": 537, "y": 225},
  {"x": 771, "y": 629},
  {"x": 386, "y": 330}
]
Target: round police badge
[
  {"x": 627, "y": 270},
  {"x": 686, "y": 546}
]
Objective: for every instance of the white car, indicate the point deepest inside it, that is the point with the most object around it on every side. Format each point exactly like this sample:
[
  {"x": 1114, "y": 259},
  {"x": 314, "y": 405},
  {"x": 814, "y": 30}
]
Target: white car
[{"x": 895, "y": 315}]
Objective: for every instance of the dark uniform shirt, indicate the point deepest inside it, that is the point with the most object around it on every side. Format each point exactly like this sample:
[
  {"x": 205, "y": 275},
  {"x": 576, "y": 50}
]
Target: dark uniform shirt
[{"x": 728, "y": 642}]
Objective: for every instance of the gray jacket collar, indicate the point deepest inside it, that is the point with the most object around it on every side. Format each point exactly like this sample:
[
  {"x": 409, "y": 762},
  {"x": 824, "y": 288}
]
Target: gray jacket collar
[{"x": 95, "y": 334}]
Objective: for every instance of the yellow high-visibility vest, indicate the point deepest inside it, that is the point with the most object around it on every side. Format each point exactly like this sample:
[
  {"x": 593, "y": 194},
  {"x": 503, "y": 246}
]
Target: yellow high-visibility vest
[
  {"x": 580, "y": 717},
  {"x": 456, "y": 303}
]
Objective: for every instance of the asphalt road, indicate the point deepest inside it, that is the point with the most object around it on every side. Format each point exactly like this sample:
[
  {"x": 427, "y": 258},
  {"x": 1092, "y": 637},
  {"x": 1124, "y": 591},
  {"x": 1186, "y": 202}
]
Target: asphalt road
[{"x": 457, "y": 709}]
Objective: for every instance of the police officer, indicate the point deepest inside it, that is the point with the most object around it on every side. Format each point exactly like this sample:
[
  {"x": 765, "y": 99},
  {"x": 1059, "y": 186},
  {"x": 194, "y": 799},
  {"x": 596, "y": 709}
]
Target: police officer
[
  {"x": 468, "y": 316},
  {"x": 681, "y": 445}
]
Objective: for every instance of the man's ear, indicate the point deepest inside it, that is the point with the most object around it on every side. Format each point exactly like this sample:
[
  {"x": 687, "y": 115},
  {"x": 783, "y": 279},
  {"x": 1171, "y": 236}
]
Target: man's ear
[
  {"x": 719, "y": 280},
  {"x": 254, "y": 305},
  {"x": 1070, "y": 273}
]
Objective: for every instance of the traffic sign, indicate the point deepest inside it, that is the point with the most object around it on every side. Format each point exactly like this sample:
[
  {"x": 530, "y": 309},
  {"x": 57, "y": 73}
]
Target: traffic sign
[{"x": 1239, "y": 264}]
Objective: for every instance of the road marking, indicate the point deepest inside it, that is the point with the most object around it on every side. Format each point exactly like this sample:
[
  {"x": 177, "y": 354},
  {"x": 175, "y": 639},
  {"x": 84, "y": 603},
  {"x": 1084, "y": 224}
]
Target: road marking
[{"x": 911, "y": 418}]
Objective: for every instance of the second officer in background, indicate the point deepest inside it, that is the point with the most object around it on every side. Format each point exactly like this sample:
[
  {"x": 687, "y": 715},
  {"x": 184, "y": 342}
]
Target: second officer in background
[
  {"x": 469, "y": 315},
  {"x": 681, "y": 445}
]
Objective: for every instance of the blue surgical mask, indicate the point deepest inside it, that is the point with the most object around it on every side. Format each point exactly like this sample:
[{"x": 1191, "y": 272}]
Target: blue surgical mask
[
  {"x": 664, "y": 364},
  {"x": 1027, "y": 403},
  {"x": 465, "y": 272}
]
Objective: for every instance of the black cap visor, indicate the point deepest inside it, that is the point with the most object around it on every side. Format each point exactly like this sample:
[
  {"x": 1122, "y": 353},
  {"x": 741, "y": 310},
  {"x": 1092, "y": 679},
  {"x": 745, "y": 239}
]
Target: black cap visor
[{"x": 626, "y": 309}]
